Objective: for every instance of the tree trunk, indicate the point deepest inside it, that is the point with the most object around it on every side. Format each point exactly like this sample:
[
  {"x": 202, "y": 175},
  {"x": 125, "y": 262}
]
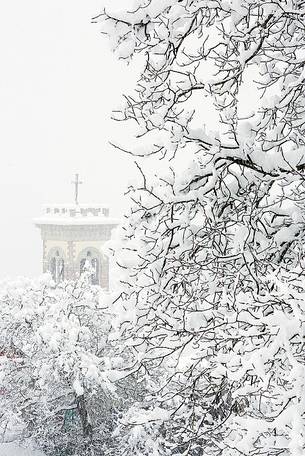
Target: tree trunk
[{"x": 85, "y": 420}]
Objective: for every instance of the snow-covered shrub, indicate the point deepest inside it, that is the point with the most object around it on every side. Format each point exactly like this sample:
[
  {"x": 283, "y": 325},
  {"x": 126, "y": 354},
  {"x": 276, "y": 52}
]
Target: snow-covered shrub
[{"x": 56, "y": 364}]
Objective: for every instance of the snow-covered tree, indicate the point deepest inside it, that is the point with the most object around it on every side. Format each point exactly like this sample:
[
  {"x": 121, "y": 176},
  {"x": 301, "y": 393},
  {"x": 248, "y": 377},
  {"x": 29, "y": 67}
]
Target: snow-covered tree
[
  {"x": 56, "y": 364},
  {"x": 212, "y": 285}
]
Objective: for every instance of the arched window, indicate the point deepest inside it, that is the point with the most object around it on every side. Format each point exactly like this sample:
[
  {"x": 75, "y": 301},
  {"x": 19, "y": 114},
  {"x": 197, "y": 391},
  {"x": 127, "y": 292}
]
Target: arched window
[
  {"x": 91, "y": 264},
  {"x": 57, "y": 267}
]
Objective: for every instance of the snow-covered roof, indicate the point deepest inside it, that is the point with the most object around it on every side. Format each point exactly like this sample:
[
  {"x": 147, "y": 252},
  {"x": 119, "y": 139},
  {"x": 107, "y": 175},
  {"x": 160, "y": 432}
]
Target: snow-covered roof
[
  {"x": 76, "y": 221},
  {"x": 80, "y": 214}
]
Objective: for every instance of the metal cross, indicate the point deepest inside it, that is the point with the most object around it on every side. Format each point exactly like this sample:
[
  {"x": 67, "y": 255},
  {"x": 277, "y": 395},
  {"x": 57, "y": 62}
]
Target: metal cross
[{"x": 77, "y": 182}]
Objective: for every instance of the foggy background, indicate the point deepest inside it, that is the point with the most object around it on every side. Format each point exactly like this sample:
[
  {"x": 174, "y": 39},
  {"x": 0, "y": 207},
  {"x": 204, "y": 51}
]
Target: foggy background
[{"x": 58, "y": 84}]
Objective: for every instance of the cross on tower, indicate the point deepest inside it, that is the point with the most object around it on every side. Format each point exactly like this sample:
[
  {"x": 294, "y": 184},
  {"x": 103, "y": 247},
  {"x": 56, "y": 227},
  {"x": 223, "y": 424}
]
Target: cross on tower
[{"x": 77, "y": 182}]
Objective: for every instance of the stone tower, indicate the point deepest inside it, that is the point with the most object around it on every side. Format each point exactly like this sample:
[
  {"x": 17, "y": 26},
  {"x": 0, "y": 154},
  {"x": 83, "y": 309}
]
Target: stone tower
[{"x": 73, "y": 236}]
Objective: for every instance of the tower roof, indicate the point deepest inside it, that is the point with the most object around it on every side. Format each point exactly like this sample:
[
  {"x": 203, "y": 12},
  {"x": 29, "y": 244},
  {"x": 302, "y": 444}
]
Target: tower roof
[{"x": 76, "y": 214}]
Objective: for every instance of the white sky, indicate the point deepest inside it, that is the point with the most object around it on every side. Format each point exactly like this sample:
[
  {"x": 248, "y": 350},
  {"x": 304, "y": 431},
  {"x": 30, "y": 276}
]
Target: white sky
[{"x": 58, "y": 84}]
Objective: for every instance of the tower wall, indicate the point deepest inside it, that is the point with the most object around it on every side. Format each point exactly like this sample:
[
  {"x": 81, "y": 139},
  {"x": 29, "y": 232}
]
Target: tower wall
[{"x": 70, "y": 241}]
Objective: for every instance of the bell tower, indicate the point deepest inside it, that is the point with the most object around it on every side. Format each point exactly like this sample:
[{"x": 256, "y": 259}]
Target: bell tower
[{"x": 73, "y": 236}]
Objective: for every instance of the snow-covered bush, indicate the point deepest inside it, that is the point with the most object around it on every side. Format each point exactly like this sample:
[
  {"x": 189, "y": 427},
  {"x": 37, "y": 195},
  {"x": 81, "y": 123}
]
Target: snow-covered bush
[
  {"x": 56, "y": 364},
  {"x": 211, "y": 294}
]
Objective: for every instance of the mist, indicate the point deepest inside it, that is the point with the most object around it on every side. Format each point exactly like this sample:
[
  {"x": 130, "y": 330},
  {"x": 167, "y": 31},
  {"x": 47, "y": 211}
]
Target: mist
[{"x": 58, "y": 85}]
